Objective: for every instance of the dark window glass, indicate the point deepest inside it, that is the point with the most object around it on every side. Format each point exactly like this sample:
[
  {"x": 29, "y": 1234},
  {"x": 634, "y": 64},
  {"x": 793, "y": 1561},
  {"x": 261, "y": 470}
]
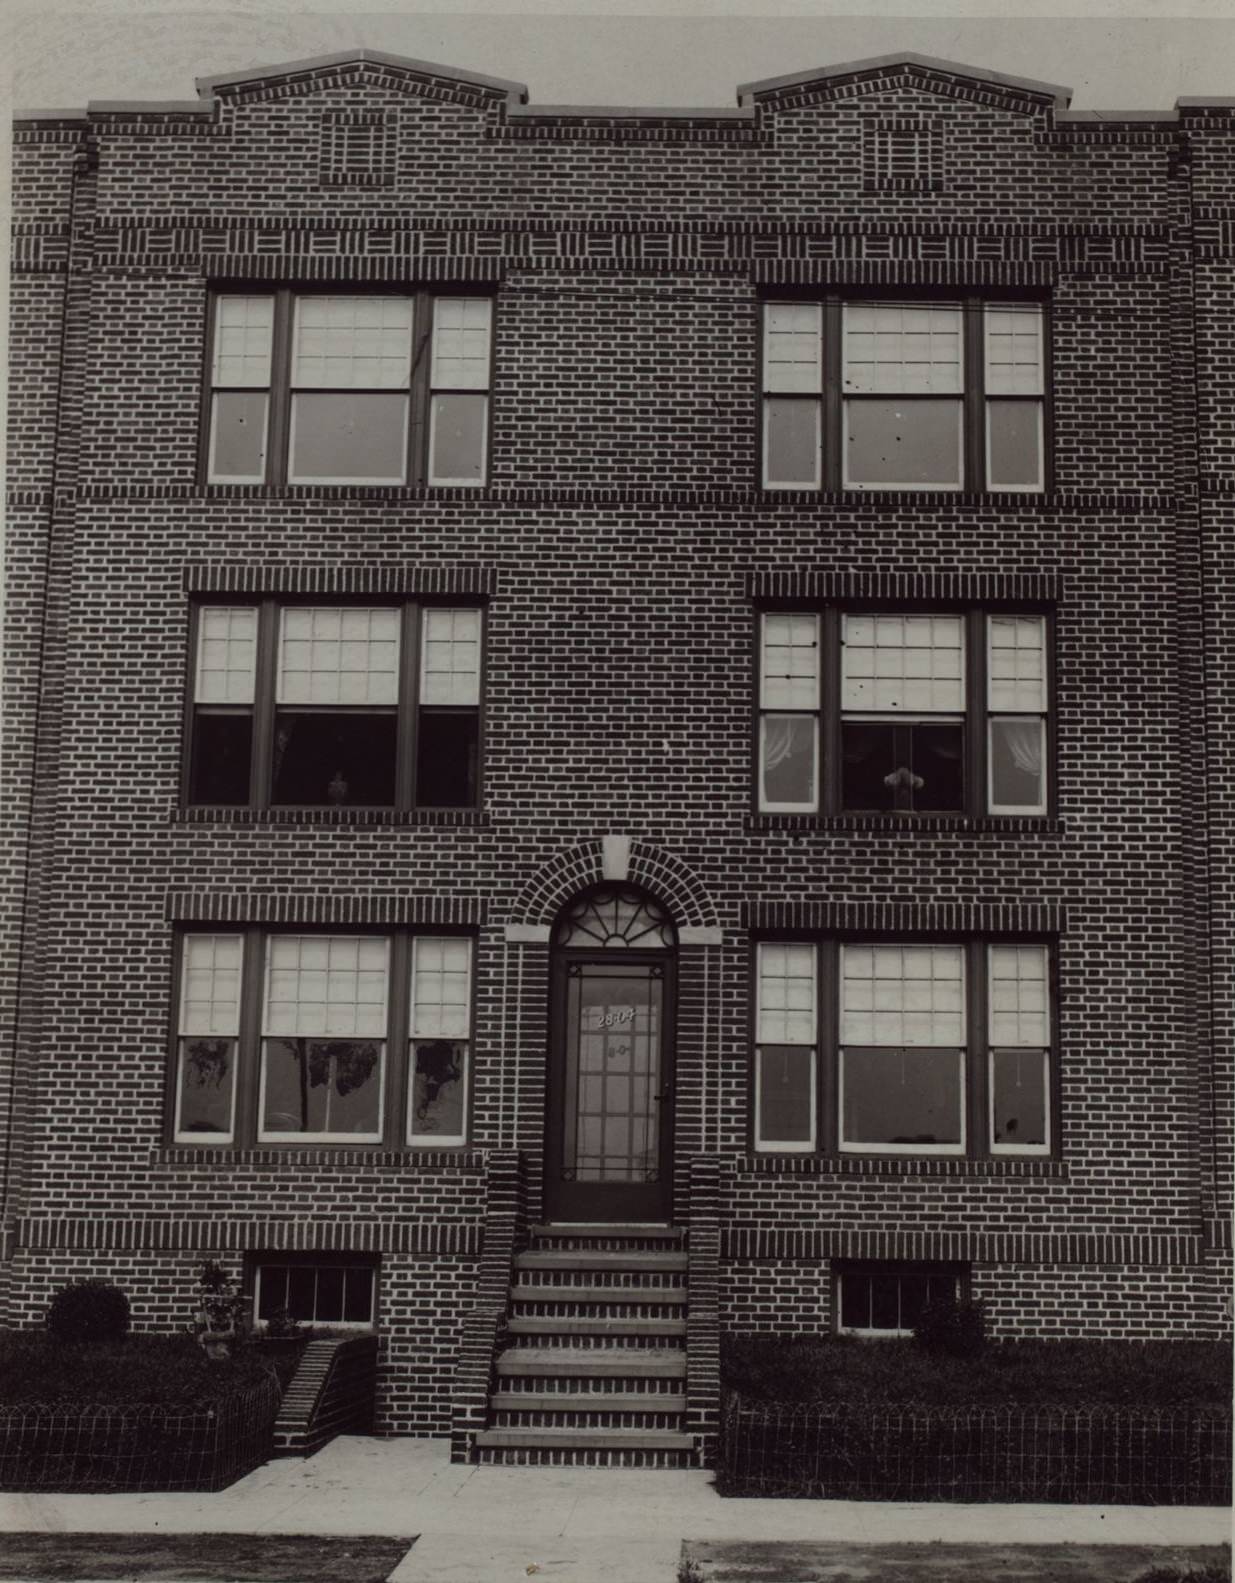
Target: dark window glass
[
  {"x": 322, "y": 1085},
  {"x": 358, "y": 1296},
  {"x": 446, "y": 760},
  {"x": 1019, "y": 1077},
  {"x": 329, "y": 1294},
  {"x": 301, "y": 1291},
  {"x": 901, "y": 1095},
  {"x": 885, "y": 1301},
  {"x": 785, "y": 1112},
  {"x": 272, "y": 1291},
  {"x": 855, "y": 1304},
  {"x": 437, "y": 1088},
  {"x": 340, "y": 760},
  {"x": 207, "y": 1074},
  {"x": 222, "y": 754},
  {"x": 907, "y": 765}
]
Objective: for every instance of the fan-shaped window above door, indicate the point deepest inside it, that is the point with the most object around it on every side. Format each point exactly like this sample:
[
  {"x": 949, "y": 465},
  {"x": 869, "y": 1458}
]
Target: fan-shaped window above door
[{"x": 615, "y": 917}]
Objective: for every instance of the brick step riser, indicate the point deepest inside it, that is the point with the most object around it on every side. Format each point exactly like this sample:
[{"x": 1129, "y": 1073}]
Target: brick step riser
[
  {"x": 653, "y": 1313},
  {"x": 531, "y": 1457},
  {"x": 510, "y": 1418},
  {"x": 602, "y": 1245},
  {"x": 616, "y": 1281},
  {"x": 565, "y": 1385},
  {"x": 549, "y": 1339}
]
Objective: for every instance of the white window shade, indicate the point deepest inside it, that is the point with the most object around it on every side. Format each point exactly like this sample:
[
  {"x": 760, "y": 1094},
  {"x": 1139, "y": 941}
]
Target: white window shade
[
  {"x": 894, "y": 349},
  {"x": 793, "y": 348},
  {"x": 226, "y": 655},
  {"x": 907, "y": 664},
  {"x": 1019, "y": 997},
  {"x": 786, "y": 1010},
  {"x": 441, "y": 988},
  {"x": 243, "y": 335},
  {"x": 210, "y": 985},
  {"x": 325, "y": 986},
  {"x": 338, "y": 656},
  {"x": 352, "y": 343},
  {"x": 903, "y": 995},
  {"x": 1016, "y": 665},
  {"x": 1014, "y": 364},
  {"x": 450, "y": 657},
  {"x": 789, "y": 677},
  {"x": 461, "y": 336}
]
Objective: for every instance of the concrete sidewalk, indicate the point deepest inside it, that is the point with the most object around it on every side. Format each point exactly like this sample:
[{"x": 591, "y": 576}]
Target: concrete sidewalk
[{"x": 577, "y": 1525}]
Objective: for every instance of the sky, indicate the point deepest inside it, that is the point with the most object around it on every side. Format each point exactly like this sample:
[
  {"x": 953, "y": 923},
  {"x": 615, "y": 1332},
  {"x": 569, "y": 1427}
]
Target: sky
[{"x": 626, "y": 53}]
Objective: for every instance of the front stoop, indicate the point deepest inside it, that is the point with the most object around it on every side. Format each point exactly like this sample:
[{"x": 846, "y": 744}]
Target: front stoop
[{"x": 594, "y": 1373}]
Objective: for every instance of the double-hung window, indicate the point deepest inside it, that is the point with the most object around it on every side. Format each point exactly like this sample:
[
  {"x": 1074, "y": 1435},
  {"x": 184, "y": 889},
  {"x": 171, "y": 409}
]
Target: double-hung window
[
  {"x": 339, "y": 706},
  {"x": 311, "y": 388},
  {"x": 902, "y": 712},
  {"x": 939, "y": 1048},
  {"x": 904, "y": 395},
  {"x": 288, "y": 1037}
]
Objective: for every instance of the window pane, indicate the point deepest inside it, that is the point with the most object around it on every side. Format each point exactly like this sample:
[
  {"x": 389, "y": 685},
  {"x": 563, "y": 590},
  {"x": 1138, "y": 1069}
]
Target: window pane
[
  {"x": 438, "y": 1083},
  {"x": 786, "y": 994},
  {"x": 786, "y": 1106},
  {"x": 792, "y": 442},
  {"x": 326, "y": 984},
  {"x": 322, "y": 1086},
  {"x": 450, "y": 657},
  {"x": 855, "y": 1300},
  {"x": 301, "y": 1292},
  {"x": 271, "y": 1291},
  {"x": 344, "y": 437},
  {"x": 243, "y": 332},
  {"x": 441, "y": 987},
  {"x": 1019, "y": 995},
  {"x": 352, "y": 343},
  {"x": 793, "y": 347},
  {"x": 238, "y": 436},
  {"x": 226, "y": 654},
  {"x": 461, "y": 342},
  {"x": 788, "y": 761},
  {"x": 907, "y": 1096},
  {"x": 334, "y": 760},
  {"x": 207, "y": 1085},
  {"x": 329, "y": 1305},
  {"x": 1016, "y": 649},
  {"x": 1014, "y": 349},
  {"x": 789, "y": 675},
  {"x": 885, "y": 1300},
  {"x": 896, "y": 347},
  {"x": 447, "y": 757},
  {"x": 338, "y": 656},
  {"x": 1014, "y": 444},
  {"x": 210, "y": 984},
  {"x": 913, "y": 664},
  {"x": 914, "y": 767},
  {"x": 1018, "y": 1099},
  {"x": 221, "y": 757},
  {"x": 902, "y": 994},
  {"x": 937, "y": 766},
  {"x": 358, "y": 1296},
  {"x": 1018, "y": 765},
  {"x": 893, "y": 444},
  {"x": 459, "y": 436}
]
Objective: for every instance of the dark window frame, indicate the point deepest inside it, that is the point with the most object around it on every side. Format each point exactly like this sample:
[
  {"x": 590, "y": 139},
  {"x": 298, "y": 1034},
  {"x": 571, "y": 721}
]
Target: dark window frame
[
  {"x": 829, "y": 714},
  {"x": 976, "y": 1082},
  {"x": 399, "y": 1056},
  {"x": 417, "y": 460},
  {"x": 407, "y": 711},
  {"x": 955, "y": 1270},
  {"x": 974, "y": 399}
]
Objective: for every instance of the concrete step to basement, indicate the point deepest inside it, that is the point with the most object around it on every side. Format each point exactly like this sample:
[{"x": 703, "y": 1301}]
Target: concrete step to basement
[
  {"x": 589, "y": 1401},
  {"x": 526, "y": 1292},
  {"x": 635, "y": 1259},
  {"x": 615, "y": 1362},
  {"x": 602, "y": 1327},
  {"x": 585, "y": 1447}
]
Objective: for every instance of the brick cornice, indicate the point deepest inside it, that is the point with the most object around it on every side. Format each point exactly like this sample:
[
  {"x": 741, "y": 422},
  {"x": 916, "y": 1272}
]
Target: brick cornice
[
  {"x": 831, "y": 916},
  {"x": 927, "y": 583},
  {"x": 468, "y": 578},
  {"x": 219, "y": 1233},
  {"x": 365, "y": 911}
]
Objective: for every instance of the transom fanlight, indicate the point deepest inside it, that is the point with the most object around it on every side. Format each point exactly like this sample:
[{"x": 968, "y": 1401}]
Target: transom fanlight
[{"x": 615, "y": 916}]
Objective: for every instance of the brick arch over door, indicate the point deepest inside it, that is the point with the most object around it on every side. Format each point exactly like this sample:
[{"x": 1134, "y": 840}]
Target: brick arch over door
[{"x": 657, "y": 871}]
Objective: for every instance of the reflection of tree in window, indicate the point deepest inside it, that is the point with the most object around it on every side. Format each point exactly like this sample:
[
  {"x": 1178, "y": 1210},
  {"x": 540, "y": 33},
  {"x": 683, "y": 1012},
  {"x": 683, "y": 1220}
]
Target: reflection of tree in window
[{"x": 439, "y": 1070}]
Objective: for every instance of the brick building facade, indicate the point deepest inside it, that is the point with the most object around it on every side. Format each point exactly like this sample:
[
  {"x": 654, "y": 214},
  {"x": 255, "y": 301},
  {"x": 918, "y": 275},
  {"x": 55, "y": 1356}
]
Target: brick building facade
[{"x": 665, "y": 667}]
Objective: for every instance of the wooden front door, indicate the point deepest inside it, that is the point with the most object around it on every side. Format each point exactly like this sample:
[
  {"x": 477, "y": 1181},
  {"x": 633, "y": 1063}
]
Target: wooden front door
[{"x": 610, "y": 1102}]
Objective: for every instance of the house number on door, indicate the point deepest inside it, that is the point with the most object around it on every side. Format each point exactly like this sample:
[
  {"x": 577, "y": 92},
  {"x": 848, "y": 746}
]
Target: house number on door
[{"x": 615, "y": 1019}]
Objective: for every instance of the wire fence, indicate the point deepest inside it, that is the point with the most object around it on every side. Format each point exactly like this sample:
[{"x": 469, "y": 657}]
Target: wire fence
[
  {"x": 1100, "y": 1455},
  {"x": 146, "y": 1446}
]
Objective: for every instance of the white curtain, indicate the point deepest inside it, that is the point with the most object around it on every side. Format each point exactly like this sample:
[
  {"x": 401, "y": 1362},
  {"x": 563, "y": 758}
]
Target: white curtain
[{"x": 1024, "y": 743}]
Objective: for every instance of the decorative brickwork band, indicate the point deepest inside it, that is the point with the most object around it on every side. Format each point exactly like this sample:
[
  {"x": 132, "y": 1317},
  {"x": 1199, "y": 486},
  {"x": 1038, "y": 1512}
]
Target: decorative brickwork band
[
  {"x": 483, "y": 1324},
  {"x": 285, "y": 1236},
  {"x": 357, "y": 148},
  {"x": 331, "y": 263},
  {"x": 927, "y": 583},
  {"x": 892, "y": 1165},
  {"x": 466, "y": 579},
  {"x": 909, "y": 271},
  {"x": 907, "y": 917},
  {"x": 988, "y": 1247},
  {"x": 347, "y": 911}
]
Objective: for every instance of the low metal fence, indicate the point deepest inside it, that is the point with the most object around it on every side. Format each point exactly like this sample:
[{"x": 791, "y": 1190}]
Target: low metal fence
[
  {"x": 1100, "y": 1455},
  {"x": 146, "y": 1446}
]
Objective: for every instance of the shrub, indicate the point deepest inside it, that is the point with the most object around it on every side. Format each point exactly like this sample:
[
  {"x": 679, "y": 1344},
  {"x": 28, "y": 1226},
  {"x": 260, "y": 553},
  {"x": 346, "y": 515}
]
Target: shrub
[
  {"x": 170, "y": 1370},
  {"x": 952, "y": 1326},
  {"x": 89, "y": 1311},
  {"x": 1214, "y": 1572}
]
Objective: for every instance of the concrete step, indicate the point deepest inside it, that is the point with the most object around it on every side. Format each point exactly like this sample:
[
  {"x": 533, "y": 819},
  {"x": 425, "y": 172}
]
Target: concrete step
[
  {"x": 594, "y": 1362},
  {"x": 586, "y": 1439},
  {"x": 634, "y": 1259},
  {"x": 602, "y": 1327},
  {"x": 527, "y": 1292},
  {"x": 582, "y": 1232},
  {"x": 588, "y": 1401}
]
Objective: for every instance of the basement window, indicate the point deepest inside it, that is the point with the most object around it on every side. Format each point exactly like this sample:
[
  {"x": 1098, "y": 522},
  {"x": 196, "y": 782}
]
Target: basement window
[
  {"x": 314, "y": 1290},
  {"x": 888, "y": 1299}
]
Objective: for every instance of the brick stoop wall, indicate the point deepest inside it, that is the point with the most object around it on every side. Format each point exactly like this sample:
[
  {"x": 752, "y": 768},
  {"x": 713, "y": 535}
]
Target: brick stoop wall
[
  {"x": 481, "y": 1336},
  {"x": 331, "y": 1393}
]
